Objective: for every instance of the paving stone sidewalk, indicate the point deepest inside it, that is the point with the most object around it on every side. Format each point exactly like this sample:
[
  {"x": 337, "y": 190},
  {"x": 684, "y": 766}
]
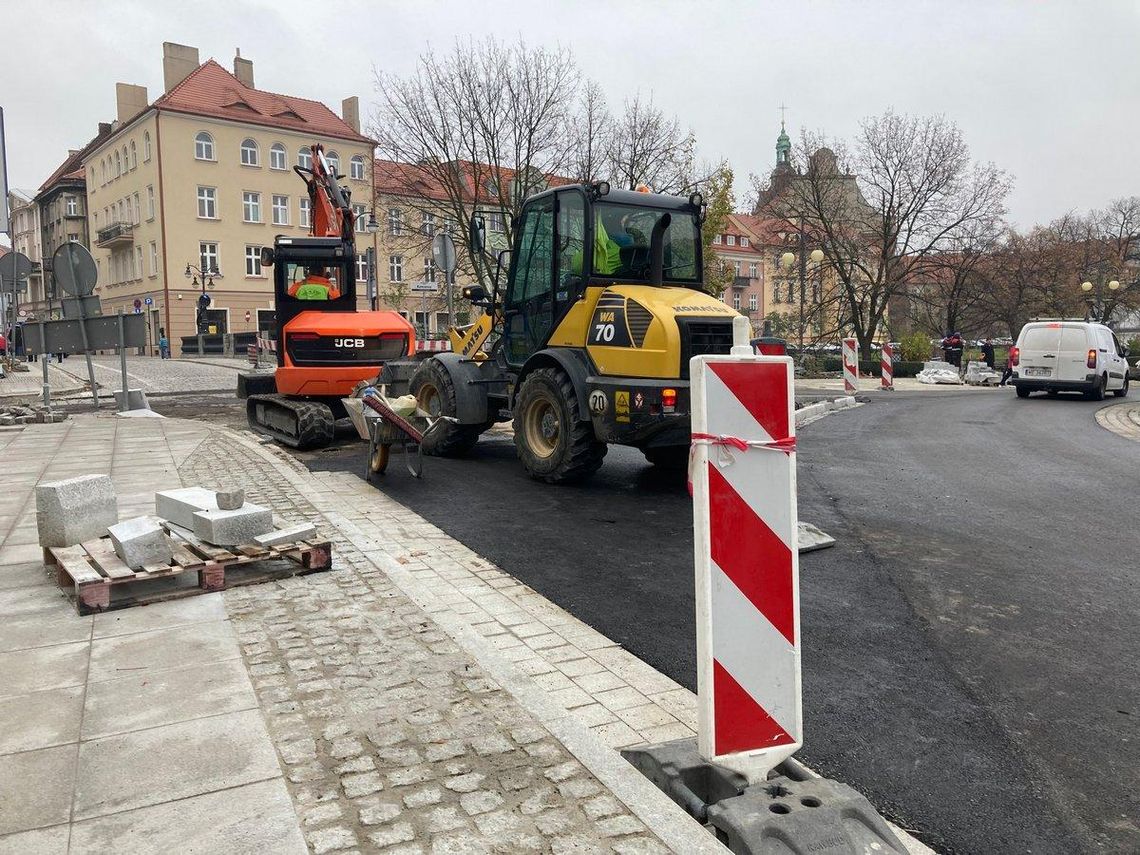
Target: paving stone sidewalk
[{"x": 1121, "y": 419}]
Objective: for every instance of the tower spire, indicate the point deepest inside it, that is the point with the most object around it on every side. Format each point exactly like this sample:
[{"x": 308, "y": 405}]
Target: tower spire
[{"x": 783, "y": 142}]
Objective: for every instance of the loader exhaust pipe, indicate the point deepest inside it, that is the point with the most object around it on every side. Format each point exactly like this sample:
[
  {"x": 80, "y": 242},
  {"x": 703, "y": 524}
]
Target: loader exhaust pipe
[{"x": 657, "y": 249}]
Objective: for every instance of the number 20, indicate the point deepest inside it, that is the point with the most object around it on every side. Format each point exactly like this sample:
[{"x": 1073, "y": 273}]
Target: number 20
[{"x": 603, "y": 332}]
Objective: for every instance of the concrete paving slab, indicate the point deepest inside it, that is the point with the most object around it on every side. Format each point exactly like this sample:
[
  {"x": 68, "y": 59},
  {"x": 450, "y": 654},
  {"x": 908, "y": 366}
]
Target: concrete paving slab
[
  {"x": 38, "y": 630},
  {"x": 192, "y": 610},
  {"x": 35, "y": 788},
  {"x": 39, "y": 841},
  {"x": 33, "y": 599},
  {"x": 151, "y": 699},
  {"x": 23, "y": 575},
  {"x": 43, "y": 668},
  {"x": 143, "y": 652},
  {"x": 20, "y": 554},
  {"x": 41, "y": 719},
  {"x": 249, "y": 819},
  {"x": 149, "y": 767}
]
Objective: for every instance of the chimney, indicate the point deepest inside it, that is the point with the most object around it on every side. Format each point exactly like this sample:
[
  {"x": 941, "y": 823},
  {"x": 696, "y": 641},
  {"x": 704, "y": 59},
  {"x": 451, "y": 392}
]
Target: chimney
[
  {"x": 350, "y": 112},
  {"x": 243, "y": 70},
  {"x": 131, "y": 100},
  {"x": 178, "y": 61},
  {"x": 104, "y": 128}
]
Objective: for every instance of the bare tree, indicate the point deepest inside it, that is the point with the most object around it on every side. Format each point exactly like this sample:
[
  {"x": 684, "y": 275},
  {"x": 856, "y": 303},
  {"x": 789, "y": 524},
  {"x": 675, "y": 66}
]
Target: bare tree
[
  {"x": 485, "y": 123},
  {"x": 909, "y": 191},
  {"x": 647, "y": 147},
  {"x": 590, "y": 130}
]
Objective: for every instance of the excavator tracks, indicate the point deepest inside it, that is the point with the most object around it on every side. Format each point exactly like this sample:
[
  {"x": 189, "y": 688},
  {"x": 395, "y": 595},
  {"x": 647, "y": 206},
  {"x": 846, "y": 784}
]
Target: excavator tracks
[{"x": 294, "y": 422}]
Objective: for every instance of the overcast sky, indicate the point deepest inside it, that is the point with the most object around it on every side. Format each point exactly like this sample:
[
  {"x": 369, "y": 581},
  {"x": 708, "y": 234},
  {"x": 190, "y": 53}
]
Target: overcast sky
[{"x": 1050, "y": 91}]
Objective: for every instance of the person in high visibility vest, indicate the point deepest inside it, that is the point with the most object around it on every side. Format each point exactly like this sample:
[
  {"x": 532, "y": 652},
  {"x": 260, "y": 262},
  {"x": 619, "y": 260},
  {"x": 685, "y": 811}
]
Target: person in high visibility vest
[{"x": 315, "y": 286}]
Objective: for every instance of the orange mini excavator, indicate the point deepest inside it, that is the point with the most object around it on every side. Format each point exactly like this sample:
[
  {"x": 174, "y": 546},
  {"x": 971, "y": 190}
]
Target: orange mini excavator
[{"x": 325, "y": 346}]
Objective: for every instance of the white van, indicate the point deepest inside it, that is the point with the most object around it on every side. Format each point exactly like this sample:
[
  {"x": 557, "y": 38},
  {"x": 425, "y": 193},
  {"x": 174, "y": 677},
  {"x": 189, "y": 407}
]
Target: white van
[{"x": 1069, "y": 356}]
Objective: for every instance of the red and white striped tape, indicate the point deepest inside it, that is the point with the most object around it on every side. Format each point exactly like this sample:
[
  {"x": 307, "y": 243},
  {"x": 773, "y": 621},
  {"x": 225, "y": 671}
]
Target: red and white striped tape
[
  {"x": 850, "y": 366},
  {"x": 268, "y": 345},
  {"x": 750, "y": 715},
  {"x": 433, "y": 345},
  {"x": 888, "y": 367}
]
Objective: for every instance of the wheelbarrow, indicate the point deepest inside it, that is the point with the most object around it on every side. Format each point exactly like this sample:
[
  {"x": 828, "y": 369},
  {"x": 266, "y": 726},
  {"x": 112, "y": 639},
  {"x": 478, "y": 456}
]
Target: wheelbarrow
[{"x": 388, "y": 428}]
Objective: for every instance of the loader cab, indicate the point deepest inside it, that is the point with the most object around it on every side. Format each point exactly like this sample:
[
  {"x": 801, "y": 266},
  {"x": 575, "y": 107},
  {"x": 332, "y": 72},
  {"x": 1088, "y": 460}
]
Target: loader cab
[{"x": 572, "y": 238}]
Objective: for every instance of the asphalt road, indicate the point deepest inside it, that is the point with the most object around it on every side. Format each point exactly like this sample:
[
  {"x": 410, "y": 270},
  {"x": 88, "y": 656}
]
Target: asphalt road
[{"x": 970, "y": 646}]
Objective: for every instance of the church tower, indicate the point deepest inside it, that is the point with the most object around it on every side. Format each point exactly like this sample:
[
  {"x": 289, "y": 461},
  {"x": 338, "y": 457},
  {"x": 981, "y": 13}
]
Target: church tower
[{"x": 783, "y": 147}]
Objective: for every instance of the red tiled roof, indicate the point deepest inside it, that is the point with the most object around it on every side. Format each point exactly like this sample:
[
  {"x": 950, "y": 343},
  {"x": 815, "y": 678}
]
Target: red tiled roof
[
  {"x": 410, "y": 179},
  {"x": 765, "y": 231},
  {"x": 71, "y": 168},
  {"x": 210, "y": 90}
]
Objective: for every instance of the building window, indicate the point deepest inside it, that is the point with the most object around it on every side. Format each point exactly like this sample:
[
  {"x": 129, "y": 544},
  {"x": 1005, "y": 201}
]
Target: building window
[
  {"x": 361, "y": 267},
  {"x": 303, "y": 222},
  {"x": 203, "y": 146},
  {"x": 421, "y": 323},
  {"x": 752, "y": 270},
  {"x": 361, "y": 218},
  {"x": 72, "y": 206},
  {"x": 449, "y": 225},
  {"x": 743, "y": 241},
  {"x": 736, "y": 267},
  {"x": 103, "y": 169},
  {"x": 395, "y": 221},
  {"x": 150, "y": 202},
  {"x": 153, "y": 258},
  {"x": 356, "y": 167},
  {"x": 429, "y": 269},
  {"x": 277, "y": 156},
  {"x": 126, "y": 215},
  {"x": 137, "y": 264},
  {"x": 134, "y": 156},
  {"x": 334, "y": 162},
  {"x": 253, "y": 261},
  {"x": 730, "y": 240},
  {"x": 250, "y": 156},
  {"x": 305, "y": 158},
  {"x": 118, "y": 165},
  {"x": 73, "y": 237},
  {"x": 281, "y": 210},
  {"x": 716, "y": 239},
  {"x": 396, "y": 268},
  {"x": 138, "y": 210},
  {"x": 208, "y": 256},
  {"x": 207, "y": 203},
  {"x": 736, "y": 301},
  {"x": 251, "y": 207},
  {"x": 752, "y": 302},
  {"x": 146, "y": 147},
  {"x": 427, "y": 227},
  {"x": 495, "y": 222}
]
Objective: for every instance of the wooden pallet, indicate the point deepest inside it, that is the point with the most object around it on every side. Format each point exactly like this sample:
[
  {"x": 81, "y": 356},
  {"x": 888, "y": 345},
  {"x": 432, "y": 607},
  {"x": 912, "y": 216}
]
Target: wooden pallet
[{"x": 92, "y": 571}]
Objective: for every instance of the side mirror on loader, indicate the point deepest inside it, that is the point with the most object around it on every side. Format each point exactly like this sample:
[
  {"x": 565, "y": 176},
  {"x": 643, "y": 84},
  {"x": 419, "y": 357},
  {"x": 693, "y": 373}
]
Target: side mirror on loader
[
  {"x": 478, "y": 234},
  {"x": 475, "y": 293}
]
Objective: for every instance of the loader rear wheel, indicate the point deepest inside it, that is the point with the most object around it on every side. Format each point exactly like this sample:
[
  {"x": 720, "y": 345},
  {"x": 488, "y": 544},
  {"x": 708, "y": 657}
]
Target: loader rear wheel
[
  {"x": 553, "y": 442},
  {"x": 435, "y": 394}
]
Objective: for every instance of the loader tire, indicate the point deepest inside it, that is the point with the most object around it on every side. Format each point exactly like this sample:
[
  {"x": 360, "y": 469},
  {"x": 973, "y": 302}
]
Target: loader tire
[
  {"x": 435, "y": 394},
  {"x": 553, "y": 441}
]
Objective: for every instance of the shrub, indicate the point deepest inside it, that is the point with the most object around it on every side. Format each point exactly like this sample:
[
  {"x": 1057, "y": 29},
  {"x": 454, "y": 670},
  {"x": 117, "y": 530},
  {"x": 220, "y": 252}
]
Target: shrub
[{"x": 915, "y": 347}]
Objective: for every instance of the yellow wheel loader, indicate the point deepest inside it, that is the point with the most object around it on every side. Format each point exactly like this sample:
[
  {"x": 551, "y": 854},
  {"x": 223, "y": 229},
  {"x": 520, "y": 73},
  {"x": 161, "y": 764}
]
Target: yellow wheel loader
[{"x": 592, "y": 332}]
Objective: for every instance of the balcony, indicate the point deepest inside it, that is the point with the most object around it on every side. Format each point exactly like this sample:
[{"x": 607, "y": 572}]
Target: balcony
[
  {"x": 116, "y": 234},
  {"x": 741, "y": 282}
]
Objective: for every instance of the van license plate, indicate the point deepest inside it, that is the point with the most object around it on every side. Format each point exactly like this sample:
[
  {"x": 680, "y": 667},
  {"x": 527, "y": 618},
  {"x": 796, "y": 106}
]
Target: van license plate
[{"x": 1038, "y": 372}]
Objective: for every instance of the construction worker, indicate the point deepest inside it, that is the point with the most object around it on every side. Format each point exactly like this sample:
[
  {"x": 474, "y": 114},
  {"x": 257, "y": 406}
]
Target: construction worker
[{"x": 315, "y": 286}]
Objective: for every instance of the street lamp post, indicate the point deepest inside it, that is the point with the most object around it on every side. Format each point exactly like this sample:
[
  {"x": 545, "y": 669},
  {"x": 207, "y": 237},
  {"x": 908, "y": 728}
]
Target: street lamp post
[
  {"x": 790, "y": 258},
  {"x": 1097, "y": 300},
  {"x": 206, "y": 279},
  {"x": 372, "y": 227}
]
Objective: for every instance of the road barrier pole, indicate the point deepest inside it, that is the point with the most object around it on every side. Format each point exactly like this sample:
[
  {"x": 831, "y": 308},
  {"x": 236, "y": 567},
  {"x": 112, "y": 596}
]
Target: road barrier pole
[
  {"x": 888, "y": 368},
  {"x": 743, "y": 475},
  {"x": 850, "y": 366}
]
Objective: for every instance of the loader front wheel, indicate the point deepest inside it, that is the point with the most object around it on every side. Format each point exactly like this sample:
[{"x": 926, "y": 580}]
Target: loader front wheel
[
  {"x": 435, "y": 395},
  {"x": 553, "y": 441}
]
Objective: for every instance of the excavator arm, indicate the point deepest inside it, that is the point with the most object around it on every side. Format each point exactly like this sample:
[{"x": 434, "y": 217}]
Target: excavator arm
[{"x": 330, "y": 209}]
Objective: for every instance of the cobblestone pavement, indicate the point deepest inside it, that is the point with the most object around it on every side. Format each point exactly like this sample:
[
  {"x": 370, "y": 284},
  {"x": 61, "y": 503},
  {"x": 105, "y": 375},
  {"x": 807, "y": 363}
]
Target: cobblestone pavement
[
  {"x": 154, "y": 375},
  {"x": 390, "y": 734},
  {"x": 1122, "y": 419}
]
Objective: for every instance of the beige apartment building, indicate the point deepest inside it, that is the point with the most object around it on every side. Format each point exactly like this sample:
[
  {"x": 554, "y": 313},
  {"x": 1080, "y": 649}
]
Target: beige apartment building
[{"x": 199, "y": 181}]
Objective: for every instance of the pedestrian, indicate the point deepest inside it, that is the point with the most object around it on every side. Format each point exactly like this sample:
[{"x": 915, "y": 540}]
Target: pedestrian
[
  {"x": 952, "y": 348},
  {"x": 988, "y": 353},
  {"x": 163, "y": 344}
]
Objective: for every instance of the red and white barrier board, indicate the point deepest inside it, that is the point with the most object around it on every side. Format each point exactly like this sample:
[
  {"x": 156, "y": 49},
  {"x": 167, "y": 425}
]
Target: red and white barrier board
[
  {"x": 888, "y": 367},
  {"x": 743, "y": 471},
  {"x": 850, "y": 366},
  {"x": 433, "y": 346}
]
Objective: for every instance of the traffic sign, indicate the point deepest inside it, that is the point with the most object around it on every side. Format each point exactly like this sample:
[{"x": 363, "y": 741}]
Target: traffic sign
[
  {"x": 138, "y": 310},
  {"x": 149, "y": 301},
  {"x": 443, "y": 251},
  {"x": 15, "y": 267},
  {"x": 137, "y": 304},
  {"x": 23, "y": 313},
  {"x": 74, "y": 269},
  {"x": 425, "y": 287}
]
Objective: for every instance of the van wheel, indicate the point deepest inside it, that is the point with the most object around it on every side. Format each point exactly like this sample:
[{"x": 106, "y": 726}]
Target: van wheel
[
  {"x": 1123, "y": 390},
  {"x": 553, "y": 441},
  {"x": 1022, "y": 392},
  {"x": 1097, "y": 391}
]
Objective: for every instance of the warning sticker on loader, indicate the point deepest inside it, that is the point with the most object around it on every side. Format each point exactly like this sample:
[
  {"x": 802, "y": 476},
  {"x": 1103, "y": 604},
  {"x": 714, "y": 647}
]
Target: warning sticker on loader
[{"x": 621, "y": 405}]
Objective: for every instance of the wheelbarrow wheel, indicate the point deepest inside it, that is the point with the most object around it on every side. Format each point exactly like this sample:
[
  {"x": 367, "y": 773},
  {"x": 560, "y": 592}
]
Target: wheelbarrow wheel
[{"x": 377, "y": 459}]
